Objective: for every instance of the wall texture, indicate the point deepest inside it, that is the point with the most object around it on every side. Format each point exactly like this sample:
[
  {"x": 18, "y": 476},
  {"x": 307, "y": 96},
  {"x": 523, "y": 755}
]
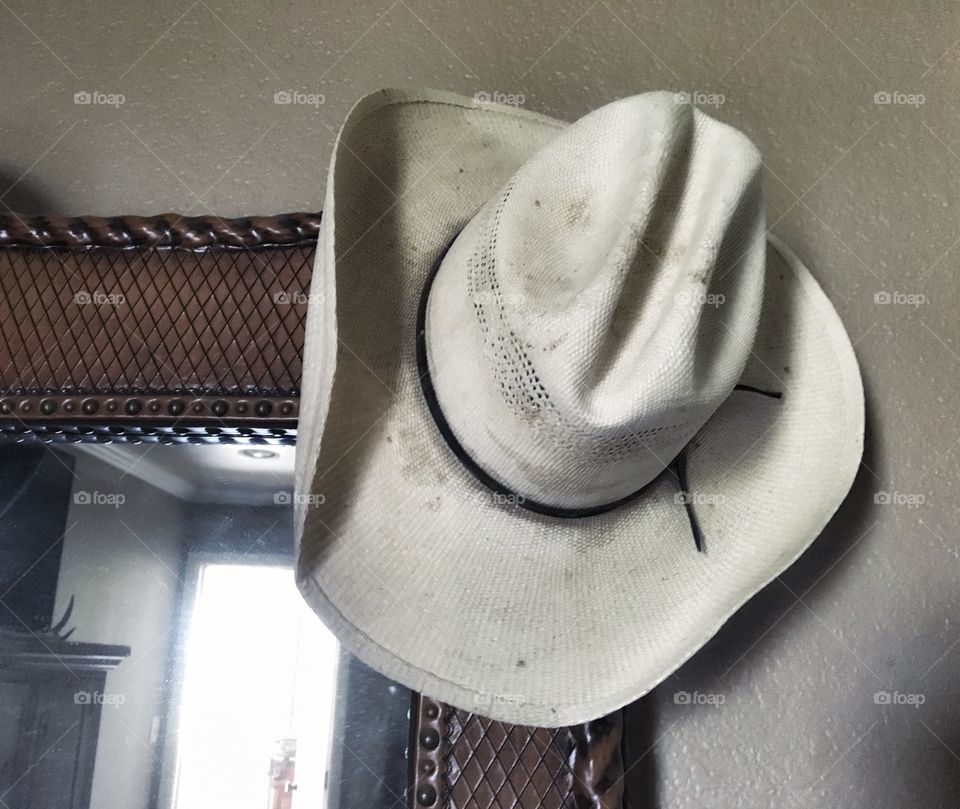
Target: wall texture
[{"x": 854, "y": 107}]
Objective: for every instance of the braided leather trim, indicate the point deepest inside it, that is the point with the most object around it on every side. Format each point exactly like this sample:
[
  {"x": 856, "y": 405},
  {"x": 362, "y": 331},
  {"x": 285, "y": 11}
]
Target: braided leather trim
[{"x": 164, "y": 230}]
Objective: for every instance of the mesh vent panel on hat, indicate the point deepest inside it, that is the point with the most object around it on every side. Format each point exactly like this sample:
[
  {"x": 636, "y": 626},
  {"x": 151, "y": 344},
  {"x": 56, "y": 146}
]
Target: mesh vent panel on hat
[
  {"x": 516, "y": 376},
  {"x": 568, "y": 310}
]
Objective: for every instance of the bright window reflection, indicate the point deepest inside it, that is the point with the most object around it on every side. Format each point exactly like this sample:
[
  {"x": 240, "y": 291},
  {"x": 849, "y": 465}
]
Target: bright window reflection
[{"x": 258, "y": 681}]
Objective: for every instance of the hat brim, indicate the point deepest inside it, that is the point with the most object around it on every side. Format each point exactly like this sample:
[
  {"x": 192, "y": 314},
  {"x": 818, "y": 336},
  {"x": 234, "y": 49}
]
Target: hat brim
[{"x": 522, "y": 617}]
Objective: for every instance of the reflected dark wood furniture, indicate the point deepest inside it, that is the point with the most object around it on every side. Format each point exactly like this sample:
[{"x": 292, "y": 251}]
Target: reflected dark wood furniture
[
  {"x": 179, "y": 329},
  {"x": 51, "y": 698}
]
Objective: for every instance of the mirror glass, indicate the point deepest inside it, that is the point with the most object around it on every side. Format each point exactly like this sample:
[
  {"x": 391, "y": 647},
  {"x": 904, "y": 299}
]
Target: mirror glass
[{"x": 154, "y": 650}]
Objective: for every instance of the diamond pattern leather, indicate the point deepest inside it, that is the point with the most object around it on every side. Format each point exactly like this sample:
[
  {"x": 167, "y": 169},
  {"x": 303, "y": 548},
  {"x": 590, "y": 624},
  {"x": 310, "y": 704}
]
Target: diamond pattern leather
[
  {"x": 461, "y": 760},
  {"x": 218, "y": 321}
]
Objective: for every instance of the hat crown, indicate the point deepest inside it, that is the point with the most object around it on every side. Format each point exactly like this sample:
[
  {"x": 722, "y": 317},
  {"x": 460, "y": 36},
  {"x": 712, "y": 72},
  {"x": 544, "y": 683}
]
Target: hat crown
[{"x": 594, "y": 314}]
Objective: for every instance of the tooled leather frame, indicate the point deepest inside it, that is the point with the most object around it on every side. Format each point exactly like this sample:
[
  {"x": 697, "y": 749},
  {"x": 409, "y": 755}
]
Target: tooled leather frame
[
  {"x": 178, "y": 329},
  {"x": 460, "y": 760},
  {"x": 167, "y": 328}
]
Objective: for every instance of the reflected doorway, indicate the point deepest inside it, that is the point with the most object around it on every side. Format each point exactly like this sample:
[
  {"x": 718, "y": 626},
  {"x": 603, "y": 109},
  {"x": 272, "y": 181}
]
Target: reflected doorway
[{"x": 253, "y": 716}]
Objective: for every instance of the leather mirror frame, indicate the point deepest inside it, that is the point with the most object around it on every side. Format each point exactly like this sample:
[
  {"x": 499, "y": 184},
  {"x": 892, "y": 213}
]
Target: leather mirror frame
[
  {"x": 169, "y": 329},
  {"x": 176, "y": 329}
]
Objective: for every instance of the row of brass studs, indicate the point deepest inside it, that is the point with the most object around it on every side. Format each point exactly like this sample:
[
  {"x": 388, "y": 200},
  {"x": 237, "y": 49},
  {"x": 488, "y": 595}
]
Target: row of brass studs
[
  {"x": 135, "y": 405},
  {"x": 427, "y": 753}
]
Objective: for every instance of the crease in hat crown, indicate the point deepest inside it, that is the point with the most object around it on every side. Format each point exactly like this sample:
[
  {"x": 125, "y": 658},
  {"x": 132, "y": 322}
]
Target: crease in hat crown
[{"x": 593, "y": 315}]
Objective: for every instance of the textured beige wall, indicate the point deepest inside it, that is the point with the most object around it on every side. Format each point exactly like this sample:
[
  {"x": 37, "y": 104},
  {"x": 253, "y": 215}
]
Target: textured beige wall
[{"x": 868, "y": 194}]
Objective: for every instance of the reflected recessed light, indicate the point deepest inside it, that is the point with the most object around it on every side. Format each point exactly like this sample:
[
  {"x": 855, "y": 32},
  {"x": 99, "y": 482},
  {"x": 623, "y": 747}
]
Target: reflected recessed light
[{"x": 258, "y": 453}]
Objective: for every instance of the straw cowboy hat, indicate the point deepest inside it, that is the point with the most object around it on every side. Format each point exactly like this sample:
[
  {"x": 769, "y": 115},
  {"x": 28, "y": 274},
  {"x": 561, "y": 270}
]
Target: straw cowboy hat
[{"x": 565, "y": 405}]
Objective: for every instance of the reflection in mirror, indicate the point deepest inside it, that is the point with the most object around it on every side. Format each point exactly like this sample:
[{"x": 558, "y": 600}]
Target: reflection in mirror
[
  {"x": 257, "y": 665},
  {"x": 154, "y": 650}
]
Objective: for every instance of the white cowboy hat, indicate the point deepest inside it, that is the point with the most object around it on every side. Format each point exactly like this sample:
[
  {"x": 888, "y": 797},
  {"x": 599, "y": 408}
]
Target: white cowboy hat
[{"x": 545, "y": 367}]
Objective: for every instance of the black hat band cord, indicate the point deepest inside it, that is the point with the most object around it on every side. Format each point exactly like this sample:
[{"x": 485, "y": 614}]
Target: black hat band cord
[{"x": 677, "y": 467}]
